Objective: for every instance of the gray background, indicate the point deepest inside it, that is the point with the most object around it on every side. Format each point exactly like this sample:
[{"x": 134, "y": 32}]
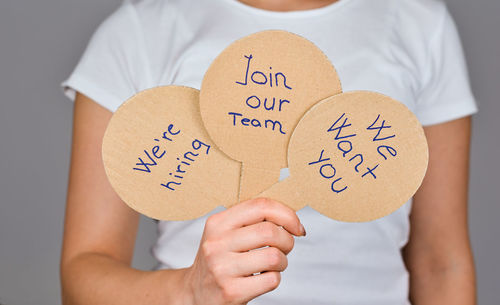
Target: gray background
[{"x": 41, "y": 41}]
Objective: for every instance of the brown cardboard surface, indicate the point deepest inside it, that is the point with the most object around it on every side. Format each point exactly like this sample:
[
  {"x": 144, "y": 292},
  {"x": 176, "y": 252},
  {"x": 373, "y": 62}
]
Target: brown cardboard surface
[
  {"x": 253, "y": 95},
  {"x": 180, "y": 174},
  {"x": 351, "y": 166},
  {"x": 254, "y": 178}
]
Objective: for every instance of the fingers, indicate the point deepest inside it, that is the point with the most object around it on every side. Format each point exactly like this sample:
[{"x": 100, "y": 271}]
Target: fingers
[
  {"x": 257, "y": 210},
  {"x": 254, "y": 285},
  {"x": 259, "y": 235},
  {"x": 249, "y": 238},
  {"x": 260, "y": 260}
]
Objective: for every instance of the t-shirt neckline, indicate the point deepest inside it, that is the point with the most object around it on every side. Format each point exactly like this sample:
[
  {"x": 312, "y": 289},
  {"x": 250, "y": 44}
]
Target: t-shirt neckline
[{"x": 290, "y": 14}]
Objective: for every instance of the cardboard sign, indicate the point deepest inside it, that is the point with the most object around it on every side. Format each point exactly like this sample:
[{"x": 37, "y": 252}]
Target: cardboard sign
[
  {"x": 253, "y": 95},
  {"x": 160, "y": 160},
  {"x": 356, "y": 156}
]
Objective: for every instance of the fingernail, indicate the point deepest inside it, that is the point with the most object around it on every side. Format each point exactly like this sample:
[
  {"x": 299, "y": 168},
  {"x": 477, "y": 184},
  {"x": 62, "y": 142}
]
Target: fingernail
[{"x": 303, "y": 230}]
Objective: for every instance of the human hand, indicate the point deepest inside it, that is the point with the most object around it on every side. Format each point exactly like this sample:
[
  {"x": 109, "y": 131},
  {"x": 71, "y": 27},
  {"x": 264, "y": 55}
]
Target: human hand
[{"x": 225, "y": 270}]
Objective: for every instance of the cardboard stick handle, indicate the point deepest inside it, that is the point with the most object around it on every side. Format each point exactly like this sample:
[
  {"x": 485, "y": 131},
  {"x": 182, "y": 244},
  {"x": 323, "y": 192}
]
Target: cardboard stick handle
[
  {"x": 287, "y": 193},
  {"x": 255, "y": 180}
]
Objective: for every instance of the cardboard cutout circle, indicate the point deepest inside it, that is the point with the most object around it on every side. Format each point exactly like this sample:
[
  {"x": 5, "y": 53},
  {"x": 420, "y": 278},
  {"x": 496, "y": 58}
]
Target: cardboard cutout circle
[
  {"x": 160, "y": 160},
  {"x": 253, "y": 95},
  {"x": 354, "y": 157}
]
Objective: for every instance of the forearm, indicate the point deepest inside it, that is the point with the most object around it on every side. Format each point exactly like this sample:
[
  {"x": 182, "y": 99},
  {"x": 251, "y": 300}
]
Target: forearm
[
  {"x": 450, "y": 284},
  {"x": 94, "y": 278}
]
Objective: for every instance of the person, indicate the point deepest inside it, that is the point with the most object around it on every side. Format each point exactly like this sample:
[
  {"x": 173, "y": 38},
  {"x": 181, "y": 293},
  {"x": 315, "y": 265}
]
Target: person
[{"x": 420, "y": 254}]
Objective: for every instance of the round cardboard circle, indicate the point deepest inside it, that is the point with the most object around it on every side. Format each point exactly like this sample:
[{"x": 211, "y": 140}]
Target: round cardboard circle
[
  {"x": 255, "y": 92},
  {"x": 354, "y": 157},
  {"x": 160, "y": 160}
]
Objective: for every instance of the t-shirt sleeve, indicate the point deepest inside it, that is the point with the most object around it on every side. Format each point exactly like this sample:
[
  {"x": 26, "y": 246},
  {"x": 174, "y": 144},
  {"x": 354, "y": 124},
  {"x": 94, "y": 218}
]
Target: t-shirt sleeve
[
  {"x": 445, "y": 92},
  {"x": 114, "y": 64}
]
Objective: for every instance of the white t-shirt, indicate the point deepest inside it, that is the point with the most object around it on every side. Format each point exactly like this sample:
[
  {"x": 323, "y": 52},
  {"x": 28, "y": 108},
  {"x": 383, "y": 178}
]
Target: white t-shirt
[{"x": 406, "y": 49}]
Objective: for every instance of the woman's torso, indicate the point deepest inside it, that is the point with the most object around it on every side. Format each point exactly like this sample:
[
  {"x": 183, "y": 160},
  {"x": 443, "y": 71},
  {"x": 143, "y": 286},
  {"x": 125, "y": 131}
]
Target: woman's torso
[{"x": 337, "y": 263}]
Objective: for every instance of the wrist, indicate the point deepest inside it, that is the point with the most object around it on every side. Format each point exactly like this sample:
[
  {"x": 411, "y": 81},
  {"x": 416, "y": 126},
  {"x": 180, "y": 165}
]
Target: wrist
[
  {"x": 176, "y": 287},
  {"x": 186, "y": 287}
]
